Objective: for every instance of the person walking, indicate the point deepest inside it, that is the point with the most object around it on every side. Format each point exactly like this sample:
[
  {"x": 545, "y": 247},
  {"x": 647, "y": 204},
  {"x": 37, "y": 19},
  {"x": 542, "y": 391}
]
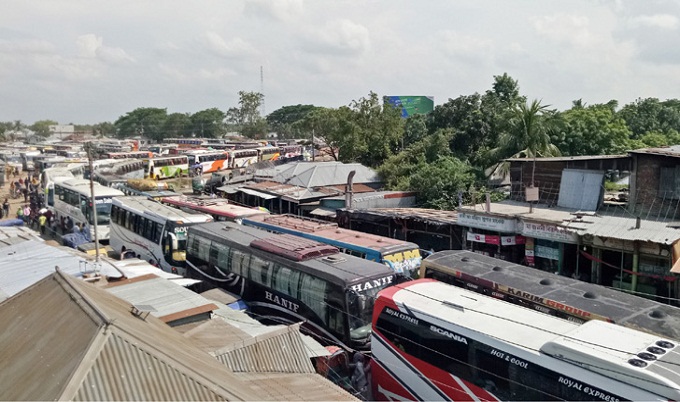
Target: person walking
[
  {"x": 5, "y": 206},
  {"x": 42, "y": 221}
]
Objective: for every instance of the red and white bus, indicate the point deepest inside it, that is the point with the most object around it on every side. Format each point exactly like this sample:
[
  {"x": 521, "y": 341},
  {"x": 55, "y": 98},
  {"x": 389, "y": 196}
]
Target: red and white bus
[
  {"x": 219, "y": 208},
  {"x": 434, "y": 341},
  {"x": 126, "y": 155}
]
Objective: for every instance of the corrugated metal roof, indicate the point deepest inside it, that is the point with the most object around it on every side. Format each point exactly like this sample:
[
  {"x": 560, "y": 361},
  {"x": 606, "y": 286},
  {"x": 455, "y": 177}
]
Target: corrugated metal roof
[
  {"x": 433, "y": 216},
  {"x": 167, "y": 300},
  {"x": 278, "y": 351},
  {"x": 17, "y": 234},
  {"x": 672, "y": 151},
  {"x": 616, "y": 227},
  {"x": 319, "y": 174},
  {"x": 568, "y": 158},
  {"x": 294, "y": 387},
  {"x": 24, "y": 263},
  {"x": 66, "y": 339}
]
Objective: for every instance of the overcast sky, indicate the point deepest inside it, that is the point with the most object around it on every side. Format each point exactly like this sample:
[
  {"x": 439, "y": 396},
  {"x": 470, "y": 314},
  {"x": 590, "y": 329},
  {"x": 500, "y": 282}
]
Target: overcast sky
[{"x": 91, "y": 61}]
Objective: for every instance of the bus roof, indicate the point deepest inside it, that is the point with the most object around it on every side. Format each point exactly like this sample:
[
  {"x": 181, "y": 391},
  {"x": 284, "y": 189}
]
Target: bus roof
[
  {"x": 212, "y": 206},
  {"x": 620, "y": 307},
  {"x": 336, "y": 268},
  {"x": 82, "y": 186},
  {"x": 330, "y": 231},
  {"x": 597, "y": 345},
  {"x": 144, "y": 206}
]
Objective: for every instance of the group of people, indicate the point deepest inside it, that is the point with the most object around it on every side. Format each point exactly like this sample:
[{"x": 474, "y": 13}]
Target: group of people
[{"x": 26, "y": 187}]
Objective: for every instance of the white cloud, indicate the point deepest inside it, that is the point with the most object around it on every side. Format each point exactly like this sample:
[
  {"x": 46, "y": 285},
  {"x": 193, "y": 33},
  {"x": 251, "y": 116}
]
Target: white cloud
[
  {"x": 236, "y": 47},
  {"x": 92, "y": 46},
  {"x": 217, "y": 74},
  {"x": 26, "y": 46},
  {"x": 664, "y": 21},
  {"x": 279, "y": 10},
  {"x": 566, "y": 28},
  {"x": 463, "y": 46},
  {"x": 340, "y": 36}
]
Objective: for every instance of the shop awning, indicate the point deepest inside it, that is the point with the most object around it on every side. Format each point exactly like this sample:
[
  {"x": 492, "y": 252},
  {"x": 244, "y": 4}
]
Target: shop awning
[
  {"x": 327, "y": 212},
  {"x": 256, "y": 193}
]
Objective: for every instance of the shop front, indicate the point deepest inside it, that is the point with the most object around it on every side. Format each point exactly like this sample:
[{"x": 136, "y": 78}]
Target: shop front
[
  {"x": 552, "y": 248},
  {"x": 494, "y": 236},
  {"x": 635, "y": 266}
]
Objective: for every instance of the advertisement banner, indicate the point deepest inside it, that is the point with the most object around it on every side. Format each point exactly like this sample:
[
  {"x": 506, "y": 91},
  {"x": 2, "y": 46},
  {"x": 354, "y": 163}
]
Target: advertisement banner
[{"x": 487, "y": 222}]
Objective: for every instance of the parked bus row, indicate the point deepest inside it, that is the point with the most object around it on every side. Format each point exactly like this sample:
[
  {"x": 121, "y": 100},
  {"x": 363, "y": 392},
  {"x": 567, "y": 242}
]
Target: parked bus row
[
  {"x": 400, "y": 255},
  {"x": 548, "y": 293},
  {"x": 430, "y": 340}
]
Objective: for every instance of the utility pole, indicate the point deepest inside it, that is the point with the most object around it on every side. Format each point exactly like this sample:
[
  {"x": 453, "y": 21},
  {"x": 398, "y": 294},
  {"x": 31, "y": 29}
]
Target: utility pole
[{"x": 93, "y": 202}]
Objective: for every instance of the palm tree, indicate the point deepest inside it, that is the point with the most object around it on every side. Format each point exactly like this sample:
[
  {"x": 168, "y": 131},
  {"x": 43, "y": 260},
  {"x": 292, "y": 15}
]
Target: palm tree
[{"x": 527, "y": 136}]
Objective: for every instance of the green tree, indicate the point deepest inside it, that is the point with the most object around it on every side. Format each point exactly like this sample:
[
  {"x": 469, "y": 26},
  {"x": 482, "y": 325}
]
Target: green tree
[
  {"x": 528, "y": 134},
  {"x": 104, "y": 129},
  {"x": 42, "y": 127},
  {"x": 148, "y": 122},
  {"x": 381, "y": 127},
  {"x": 399, "y": 170},
  {"x": 592, "y": 130},
  {"x": 439, "y": 183},
  {"x": 208, "y": 123},
  {"x": 336, "y": 128},
  {"x": 282, "y": 120},
  {"x": 246, "y": 117},
  {"x": 651, "y": 115},
  {"x": 415, "y": 129}
]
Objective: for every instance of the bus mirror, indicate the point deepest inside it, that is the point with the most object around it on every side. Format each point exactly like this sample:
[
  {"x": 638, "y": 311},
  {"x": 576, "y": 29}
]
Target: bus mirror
[{"x": 173, "y": 241}]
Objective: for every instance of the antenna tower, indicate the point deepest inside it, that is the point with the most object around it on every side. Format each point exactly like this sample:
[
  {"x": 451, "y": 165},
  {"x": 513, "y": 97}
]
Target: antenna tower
[{"x": 264, "y": 113}]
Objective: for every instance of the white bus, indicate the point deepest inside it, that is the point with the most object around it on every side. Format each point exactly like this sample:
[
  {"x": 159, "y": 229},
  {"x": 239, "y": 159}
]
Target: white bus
[
  {"x": 72, "y": 199},
  {"x": 208, "y": 161},
  {"x": 166, "y": 167},
  {"x": 152, "y": 231}
]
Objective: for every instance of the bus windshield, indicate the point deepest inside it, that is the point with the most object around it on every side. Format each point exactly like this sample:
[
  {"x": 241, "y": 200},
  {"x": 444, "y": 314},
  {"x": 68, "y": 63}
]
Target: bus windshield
[
  {"x": 103, "y": 214},
  {"x": 179, "y": 253},
  {"x": 360, "y": 308}
]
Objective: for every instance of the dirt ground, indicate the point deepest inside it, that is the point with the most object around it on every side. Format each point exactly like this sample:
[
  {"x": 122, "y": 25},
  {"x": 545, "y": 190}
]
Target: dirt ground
[{"x": 4, "y": 193}]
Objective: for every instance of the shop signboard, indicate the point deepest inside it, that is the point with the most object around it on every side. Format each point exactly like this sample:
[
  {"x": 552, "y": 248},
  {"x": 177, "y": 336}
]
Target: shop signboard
[
  {"x": 548, "y": 231},
  {"x": 547, "y": 252},
  {"x": 480, "y": 221}
]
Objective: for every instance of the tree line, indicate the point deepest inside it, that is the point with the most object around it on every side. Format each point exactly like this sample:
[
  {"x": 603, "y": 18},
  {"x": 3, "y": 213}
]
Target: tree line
[{"x": 450, "y": 150}]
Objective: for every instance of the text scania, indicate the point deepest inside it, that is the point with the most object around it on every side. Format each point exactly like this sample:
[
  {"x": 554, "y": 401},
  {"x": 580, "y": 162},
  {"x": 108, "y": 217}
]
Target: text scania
[
  {"x": 593, "y": 394},
  {"x": 448, "y": 334},
  {"x": 375, "y": 283},
  {"x": 281, "y": 301}
]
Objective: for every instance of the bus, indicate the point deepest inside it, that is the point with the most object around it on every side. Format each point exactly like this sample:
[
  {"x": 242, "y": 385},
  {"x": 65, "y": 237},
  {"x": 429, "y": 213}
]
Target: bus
[
  {"x": 208, "y": 161},
  {"x": 219, "y": 208},
  {"x": 402, "y": 256},
  {"x": 241, "y": 158},
  {"x": 120, "y": 170},
  {"x": 268, "y": 153},
  {"x": 434, "y": 341},
  {"x": 166, "y": 167},
  {"x": 548, "y": 293},
  {"x": 127, "y": 155},
  {"x": 152, "y": 231},
  {"x": 287, "y": 279},
  {"x": 72, "y": 199},
  {"x": 186, "y": 142}
]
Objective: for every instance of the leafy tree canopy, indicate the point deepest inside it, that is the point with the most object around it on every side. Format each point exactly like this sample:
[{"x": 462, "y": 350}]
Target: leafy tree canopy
[
  {"x": 42, "y": 127},
  {"x": 142, "y": 121}
]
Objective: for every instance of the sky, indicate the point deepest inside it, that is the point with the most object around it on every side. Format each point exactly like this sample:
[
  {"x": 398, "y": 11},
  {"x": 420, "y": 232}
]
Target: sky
[{"x": 86, "y": 62}]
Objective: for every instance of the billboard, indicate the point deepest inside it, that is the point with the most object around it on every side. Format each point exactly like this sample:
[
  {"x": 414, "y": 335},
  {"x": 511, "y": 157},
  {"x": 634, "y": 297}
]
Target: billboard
[{"x": 411, "y": 105}]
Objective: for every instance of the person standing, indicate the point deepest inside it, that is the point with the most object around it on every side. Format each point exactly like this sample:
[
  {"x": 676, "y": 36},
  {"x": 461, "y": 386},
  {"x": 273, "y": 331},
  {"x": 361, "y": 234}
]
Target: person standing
[
  {"x": 5, "y": 207},
  {"x": 42, "y": 220}
]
